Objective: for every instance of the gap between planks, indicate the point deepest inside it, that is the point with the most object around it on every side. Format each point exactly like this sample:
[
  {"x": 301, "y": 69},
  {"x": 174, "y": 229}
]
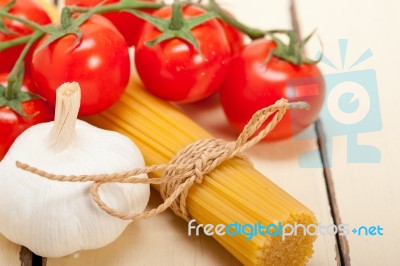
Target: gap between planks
[
  {"x": 27, "y": 258},
  {"x": 342, "y": 245}
]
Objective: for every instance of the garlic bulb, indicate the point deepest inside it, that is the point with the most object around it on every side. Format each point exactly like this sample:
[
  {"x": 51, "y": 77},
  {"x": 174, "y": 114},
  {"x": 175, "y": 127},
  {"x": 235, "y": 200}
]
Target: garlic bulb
[{"x": 54, "y": 218}]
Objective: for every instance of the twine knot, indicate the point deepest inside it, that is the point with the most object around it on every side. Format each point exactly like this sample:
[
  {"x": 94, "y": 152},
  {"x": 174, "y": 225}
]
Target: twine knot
[
  {"x": 200, "y": 157},
  {"x": 187, "y": 168}
]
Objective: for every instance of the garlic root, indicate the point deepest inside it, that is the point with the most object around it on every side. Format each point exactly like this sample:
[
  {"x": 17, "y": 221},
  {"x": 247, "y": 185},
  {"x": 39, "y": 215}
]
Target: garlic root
[{"x": 67, "y": 108}]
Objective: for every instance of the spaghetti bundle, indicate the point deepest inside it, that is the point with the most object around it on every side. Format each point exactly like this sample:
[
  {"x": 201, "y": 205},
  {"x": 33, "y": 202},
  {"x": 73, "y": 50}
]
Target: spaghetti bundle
[{"x": 233, "y": 193}]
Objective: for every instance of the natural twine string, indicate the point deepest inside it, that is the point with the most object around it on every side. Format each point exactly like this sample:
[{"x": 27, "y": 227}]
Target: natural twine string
[{"x": 187, "y": 168}]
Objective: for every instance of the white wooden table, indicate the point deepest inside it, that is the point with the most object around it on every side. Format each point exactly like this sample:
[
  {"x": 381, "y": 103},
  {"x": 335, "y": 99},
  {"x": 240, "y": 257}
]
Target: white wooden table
[{"x": 355, "y": 194}]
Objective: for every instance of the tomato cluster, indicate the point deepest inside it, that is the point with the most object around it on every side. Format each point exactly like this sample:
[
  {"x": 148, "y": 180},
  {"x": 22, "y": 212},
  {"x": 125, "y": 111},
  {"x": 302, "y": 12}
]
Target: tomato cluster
[{"x": 212, "y": 56}]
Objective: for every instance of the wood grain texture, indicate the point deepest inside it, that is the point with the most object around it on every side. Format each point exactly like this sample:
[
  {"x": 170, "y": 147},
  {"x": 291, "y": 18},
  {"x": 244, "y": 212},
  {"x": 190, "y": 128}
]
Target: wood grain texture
[
  {"x": 342, "y": 245},
  {"x": 161, "y": 240},
  {"x": 9, "y": 252},
  {"x": 366, "y": 193}
]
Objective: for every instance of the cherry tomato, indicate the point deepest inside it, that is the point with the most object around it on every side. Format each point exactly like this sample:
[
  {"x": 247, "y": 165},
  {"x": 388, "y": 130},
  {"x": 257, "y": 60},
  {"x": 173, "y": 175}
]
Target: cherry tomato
[
  {"x": 27, "y": 9},
  {"x": 234, "y": 36},
  {"x": 128, "y": 24},
  {"x": 99, "y": 63},
  {"x": 174, "y": 70},
  {"x": 12, "y": 124},
  {"x": 252, "y": 85}
]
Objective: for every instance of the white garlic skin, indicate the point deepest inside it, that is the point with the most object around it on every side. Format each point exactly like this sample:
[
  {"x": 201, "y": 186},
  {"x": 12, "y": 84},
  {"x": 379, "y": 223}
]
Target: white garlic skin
[{"x": 55, "y": 219}]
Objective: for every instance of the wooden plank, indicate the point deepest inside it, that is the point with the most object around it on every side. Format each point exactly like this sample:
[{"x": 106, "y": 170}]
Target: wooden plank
[
  {"x": 366, "y": 193},
  {"x": 9, "y": 252},
  {"x": 163, "y": 240},
  {"x": 342, "y": 247}
]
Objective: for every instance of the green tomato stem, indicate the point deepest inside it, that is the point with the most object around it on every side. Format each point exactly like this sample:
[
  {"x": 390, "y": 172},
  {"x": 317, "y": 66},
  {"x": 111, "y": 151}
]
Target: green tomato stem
[
  {"x": 293, "y": 51},
  {"x": 66, "y": 18},
  {"x": 253, "y": 33},
  {"x": 29, "y": 23},
  {"x": 13, "y": 76},
  {"x": 120, "y": 7},
  {"x": 14, "y": 42},
  {"x": 176, "y": 16}
]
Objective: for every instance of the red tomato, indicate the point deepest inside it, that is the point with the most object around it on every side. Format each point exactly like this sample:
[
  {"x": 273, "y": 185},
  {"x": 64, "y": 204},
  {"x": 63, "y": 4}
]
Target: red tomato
[
  {"x": 27, "y": 9},
  {"x": 174, "y": 70},
  {"x": 128, "y": 24},
  {"x": 234, "y": 36},
  {"x": 12, "y": 124},
  {"x": 99, "y": 63},
  {"x": 252, "y": 85}
]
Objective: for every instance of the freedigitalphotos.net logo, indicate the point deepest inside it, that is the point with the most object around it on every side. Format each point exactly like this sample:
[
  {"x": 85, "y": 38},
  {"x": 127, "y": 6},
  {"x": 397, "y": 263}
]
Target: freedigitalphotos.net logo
[
  {"x": 351, "y": 108},
  {"x": 249, "y": 231}
]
